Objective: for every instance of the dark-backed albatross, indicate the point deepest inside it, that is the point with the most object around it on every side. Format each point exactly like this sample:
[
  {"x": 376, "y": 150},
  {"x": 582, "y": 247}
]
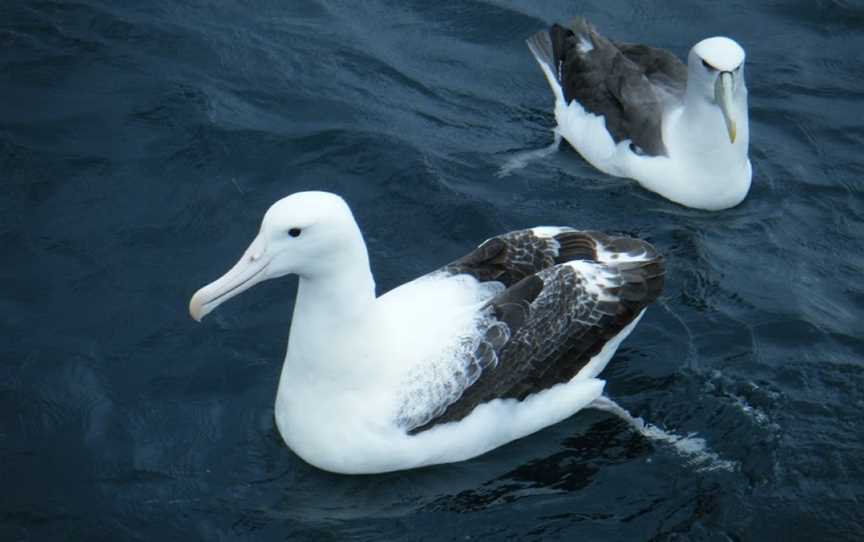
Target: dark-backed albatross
[
  {"x": 499, "y": 344},
  {"x": 636, "y": 111}
]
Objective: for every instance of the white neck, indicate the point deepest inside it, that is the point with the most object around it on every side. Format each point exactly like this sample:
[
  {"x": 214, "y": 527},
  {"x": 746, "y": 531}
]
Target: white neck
[
  {"x": 333, "y": 305},
  {"x": 332, "y": 313},
  {"x": 340, "y": 294},
  {"x": 700, "y": 130},
  {"x": 705, "y": 169},
  {"x": 336, "y": 297}
]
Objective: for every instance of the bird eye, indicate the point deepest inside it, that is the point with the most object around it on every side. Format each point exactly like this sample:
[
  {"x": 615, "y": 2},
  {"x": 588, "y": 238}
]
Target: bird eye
[
  {"x": 708, "y": 67},
  {"x": 294, "y": 232}
]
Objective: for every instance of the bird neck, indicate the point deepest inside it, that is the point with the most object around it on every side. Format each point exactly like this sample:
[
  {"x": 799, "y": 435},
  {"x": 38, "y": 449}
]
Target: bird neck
[
  {"x": 335, "y": 296},
  {"x": 701, "y": 131},
  {"x": 332, "y": 314}
]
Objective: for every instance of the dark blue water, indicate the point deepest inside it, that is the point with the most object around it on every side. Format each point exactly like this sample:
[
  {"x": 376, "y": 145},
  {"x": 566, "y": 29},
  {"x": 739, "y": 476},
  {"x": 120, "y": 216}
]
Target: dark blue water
[{"x": 140, "y": 143}]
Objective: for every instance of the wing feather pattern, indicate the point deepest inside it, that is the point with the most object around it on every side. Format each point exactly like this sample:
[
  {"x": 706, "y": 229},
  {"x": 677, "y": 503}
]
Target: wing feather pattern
[
  {"x": 567, "y": 293},
  {"x": 630, "y": 85}
]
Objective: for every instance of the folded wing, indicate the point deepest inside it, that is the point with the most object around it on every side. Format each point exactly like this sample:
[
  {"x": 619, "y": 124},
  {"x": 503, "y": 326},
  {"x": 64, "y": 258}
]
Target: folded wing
[{"x": 567, "y": 293}]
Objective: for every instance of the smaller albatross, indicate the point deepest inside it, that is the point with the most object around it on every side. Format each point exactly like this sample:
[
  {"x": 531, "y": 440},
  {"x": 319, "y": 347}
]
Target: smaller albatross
[
  {"x": 499, "y": 344},
  {"x": 636, "y": 111}
]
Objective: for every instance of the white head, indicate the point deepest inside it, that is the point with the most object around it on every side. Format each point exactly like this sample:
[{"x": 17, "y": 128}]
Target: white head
[
  {"x": 715, "y": 73},
  {"x": 307, "y": 233}
]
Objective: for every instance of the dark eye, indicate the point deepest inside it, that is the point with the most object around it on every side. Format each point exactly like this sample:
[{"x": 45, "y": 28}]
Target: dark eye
[
  {"x": 294, "y": 232},
  {"x": 709, "y": 67}
]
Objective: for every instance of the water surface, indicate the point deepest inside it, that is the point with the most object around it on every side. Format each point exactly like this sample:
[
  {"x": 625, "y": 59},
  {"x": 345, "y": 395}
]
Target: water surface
[{"x": 140, "y": 144}]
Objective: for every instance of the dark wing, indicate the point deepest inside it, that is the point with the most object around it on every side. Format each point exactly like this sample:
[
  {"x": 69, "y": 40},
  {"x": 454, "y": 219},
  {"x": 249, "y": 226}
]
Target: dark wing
[
  {"x": 629, "y": 85},
  {"x": 662, "y": 69},
  {"x": 552, "y": 322},
  {"x": 513, "y": 256}
]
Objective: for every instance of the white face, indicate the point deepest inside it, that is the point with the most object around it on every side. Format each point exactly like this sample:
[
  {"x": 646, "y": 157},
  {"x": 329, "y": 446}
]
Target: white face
[
  {"x": 302, "y": 233},
  {"x": 715, "y": 71}
]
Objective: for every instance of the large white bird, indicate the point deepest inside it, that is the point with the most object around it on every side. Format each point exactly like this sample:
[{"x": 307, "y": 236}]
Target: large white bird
[
  {"x": 490, "y": 348},
  {"x": 636, "y": 111}
]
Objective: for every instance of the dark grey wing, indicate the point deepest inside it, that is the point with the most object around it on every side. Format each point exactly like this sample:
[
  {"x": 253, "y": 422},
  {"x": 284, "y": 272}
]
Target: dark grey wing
[
  {"x": 630, "y": 88},
  {"x": 662, "y": 69},
  {"x": 548, "y": 325},
  {"x": 511, "y": 257}
]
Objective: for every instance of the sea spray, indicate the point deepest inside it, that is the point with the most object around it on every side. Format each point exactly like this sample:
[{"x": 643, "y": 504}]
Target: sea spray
[{"x": 690, "y": 446}]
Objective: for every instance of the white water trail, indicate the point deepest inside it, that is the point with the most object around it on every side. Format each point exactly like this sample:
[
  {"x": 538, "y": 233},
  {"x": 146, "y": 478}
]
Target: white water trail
[
  {"x": 521, "y": 159},
  {"x": 691, "y": 447}
]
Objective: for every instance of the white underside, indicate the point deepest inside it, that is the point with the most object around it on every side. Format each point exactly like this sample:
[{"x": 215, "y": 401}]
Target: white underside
[
  {"x": 344, "y": 420},
  {"x": 713, "y": 180}
]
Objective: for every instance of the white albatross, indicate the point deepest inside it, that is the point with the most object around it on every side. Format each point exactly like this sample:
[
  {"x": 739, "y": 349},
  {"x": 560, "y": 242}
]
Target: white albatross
[
  {"x": 635, "y": 111},
  {"x": 495, "y": 346}
]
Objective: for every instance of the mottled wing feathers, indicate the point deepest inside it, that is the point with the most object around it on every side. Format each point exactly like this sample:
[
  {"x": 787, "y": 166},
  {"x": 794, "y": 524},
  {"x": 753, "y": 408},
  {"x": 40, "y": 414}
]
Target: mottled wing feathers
[
  {"x": 629, "y": 85},
  {"x": 624, "y": 276},
  {"x": 508, "y": 258},
  {"x": 639, "y": 264},
  {"x": 550, "y": 323}
]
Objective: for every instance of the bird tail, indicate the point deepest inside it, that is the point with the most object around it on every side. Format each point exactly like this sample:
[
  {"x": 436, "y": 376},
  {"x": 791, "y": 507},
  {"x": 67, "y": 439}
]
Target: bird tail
[{"x": 540, "y": 45}]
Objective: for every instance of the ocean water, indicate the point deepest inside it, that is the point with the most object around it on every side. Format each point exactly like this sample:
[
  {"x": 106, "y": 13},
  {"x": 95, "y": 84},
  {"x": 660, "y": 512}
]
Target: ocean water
[{"x": 141, "y": 142}]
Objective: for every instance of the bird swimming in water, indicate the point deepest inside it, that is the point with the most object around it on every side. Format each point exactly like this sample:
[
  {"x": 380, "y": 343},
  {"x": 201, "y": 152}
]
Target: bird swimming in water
[
  {"x": 636, "y": 111},
  {"x": 492, "y": 347}
]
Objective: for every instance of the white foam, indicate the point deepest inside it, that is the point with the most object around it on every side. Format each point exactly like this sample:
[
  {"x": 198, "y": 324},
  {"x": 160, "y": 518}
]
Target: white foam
[
  {"x": 717, "y": 382},
  {"x": 691, "y": 447},
  {"x": 521, "y": 159}
]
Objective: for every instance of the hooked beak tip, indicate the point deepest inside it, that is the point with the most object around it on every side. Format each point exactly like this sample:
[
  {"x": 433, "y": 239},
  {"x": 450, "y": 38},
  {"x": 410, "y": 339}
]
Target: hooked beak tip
[
  {"x": 245, "y": 273},
  {"x": 195, "y": 308},
  {"x": 248, "y": 271}
]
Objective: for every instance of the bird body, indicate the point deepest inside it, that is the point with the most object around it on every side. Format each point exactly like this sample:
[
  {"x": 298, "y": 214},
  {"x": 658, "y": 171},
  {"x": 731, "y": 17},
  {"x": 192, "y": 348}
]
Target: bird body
[
  {"x": 635, "y": 111},
  {"x": 490, "y": 348}
]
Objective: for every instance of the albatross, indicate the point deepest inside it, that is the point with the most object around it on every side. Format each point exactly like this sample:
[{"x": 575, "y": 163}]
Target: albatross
[
  {"x": 490, "y": 348},
  {"x": 637, "y": 111}
]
